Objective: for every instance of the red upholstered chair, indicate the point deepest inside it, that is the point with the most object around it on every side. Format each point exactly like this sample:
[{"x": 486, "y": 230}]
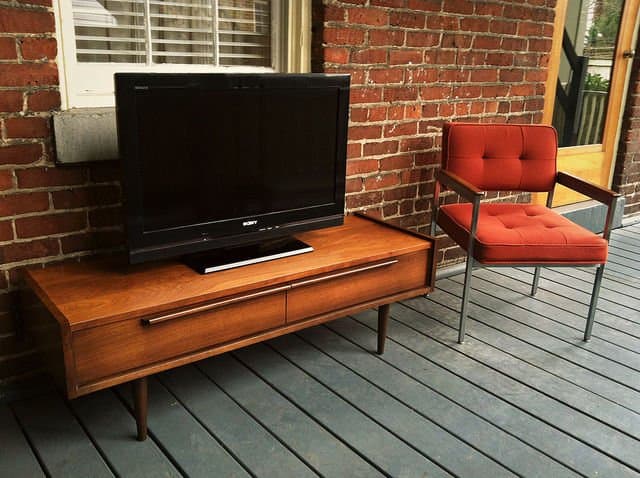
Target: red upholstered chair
[{"x": 496, "y": 157}]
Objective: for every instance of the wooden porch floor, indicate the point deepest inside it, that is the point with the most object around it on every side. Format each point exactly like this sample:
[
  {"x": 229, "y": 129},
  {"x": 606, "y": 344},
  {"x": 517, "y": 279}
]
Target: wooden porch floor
[{"x": 524, "y": 396}]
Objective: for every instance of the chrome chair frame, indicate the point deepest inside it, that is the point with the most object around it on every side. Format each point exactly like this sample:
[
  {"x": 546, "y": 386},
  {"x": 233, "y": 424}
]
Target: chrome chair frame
[{"x": 474, "y": 195}]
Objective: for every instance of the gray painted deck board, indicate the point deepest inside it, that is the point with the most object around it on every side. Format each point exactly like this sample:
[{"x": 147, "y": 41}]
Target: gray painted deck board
[
  {"x": 183, "y": 438},
  {"x": 16, "y": 457},
  {"x": 391, "y": 454},
  {"x": 63, "y": 447},
  {"x": 523, "y": 396},
  {"x": 250, "y": 442},
  {"x": 419, "y": 429},
  {"x": 482, "y": 402},
  {"x": 317, "y": 447},
  {"x": 109, "y": 423},
  {"x": 479, "y": 433}
]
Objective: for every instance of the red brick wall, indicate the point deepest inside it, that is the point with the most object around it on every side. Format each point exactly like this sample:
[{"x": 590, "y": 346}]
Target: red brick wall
[
  {"x": 626, "y": 179},
  {"x": 415, "y": 64},
  {"x": 47, "y": 213}
]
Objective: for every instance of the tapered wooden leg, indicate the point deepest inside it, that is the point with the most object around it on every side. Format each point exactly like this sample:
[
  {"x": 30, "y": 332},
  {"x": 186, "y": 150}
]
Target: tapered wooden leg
[
  {"x": 383, "y": 320},
  {"x": 140, "y": 400}
]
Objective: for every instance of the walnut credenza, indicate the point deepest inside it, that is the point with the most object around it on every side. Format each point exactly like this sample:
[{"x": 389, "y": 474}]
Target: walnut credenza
[{"x": 104, "y": 322}]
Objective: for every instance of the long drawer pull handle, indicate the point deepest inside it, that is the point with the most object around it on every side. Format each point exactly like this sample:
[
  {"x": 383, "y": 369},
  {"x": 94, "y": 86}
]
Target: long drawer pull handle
[
  {"x": 342, "y": 274},
  {"x": 213, "y": 305}
]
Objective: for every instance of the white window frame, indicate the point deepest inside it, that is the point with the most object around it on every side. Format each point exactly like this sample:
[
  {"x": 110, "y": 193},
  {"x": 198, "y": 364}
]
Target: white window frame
[{"x": 90, "y": 85}]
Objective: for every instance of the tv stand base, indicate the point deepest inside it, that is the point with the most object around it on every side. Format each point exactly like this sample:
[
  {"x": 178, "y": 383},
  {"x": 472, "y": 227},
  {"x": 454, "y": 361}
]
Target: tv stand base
[
  {"x": 237, "y": 256},
  {"x": 101, "y": 323}
]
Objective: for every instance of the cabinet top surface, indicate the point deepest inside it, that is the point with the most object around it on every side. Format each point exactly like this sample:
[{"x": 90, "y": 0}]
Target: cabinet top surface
[{"x": 94, "y": 292}]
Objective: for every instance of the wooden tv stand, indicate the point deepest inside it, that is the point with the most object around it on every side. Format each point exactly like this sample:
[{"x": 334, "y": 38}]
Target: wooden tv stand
[{"x": 104, "y": 322}]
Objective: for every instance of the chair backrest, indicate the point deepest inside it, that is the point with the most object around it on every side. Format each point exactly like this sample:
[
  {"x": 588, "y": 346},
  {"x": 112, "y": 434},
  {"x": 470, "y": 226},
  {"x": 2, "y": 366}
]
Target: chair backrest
[{"x": 501, "y": 157}]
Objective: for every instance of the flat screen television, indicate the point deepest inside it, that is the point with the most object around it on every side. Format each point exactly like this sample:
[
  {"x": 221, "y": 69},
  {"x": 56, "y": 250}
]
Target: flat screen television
[{"x": 224, "y": 165}]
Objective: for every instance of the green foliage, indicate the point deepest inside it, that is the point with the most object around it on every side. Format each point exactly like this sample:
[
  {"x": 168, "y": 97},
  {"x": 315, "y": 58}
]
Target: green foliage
[
  {"x": 595, "y": 82},
  {"x": 604, "y": 29}
]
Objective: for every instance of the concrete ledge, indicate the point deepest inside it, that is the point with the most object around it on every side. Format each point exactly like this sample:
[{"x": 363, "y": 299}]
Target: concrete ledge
[{"x": 85, "y": 135}]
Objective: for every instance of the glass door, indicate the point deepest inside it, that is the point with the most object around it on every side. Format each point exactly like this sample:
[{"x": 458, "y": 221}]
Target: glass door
[{"x": 588, "y": 74}]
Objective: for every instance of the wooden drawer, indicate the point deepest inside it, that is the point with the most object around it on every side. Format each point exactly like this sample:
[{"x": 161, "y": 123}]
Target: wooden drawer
[
  {"x": 103, "y": 351},
  {"x": 323, "y": 294}
]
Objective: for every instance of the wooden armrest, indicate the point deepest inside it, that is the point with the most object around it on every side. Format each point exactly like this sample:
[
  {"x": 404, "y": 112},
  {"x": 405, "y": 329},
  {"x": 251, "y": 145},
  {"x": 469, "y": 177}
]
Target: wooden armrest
[
  {"x": 603, "y": 195},
  {"x": 459, "y": 185}
]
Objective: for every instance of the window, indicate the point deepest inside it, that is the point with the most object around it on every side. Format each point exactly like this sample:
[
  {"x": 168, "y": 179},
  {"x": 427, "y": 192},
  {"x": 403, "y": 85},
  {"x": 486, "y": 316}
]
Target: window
[{"x": 101, "y": 37}]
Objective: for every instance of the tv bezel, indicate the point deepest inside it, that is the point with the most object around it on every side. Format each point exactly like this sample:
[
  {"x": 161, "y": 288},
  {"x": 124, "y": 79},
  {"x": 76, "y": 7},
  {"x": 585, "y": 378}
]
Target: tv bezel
[{"x": 161, "y": 244}]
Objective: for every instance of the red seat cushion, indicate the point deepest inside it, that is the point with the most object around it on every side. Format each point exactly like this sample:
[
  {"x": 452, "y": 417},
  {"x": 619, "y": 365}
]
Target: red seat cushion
[{"x": 510, "y": 233}]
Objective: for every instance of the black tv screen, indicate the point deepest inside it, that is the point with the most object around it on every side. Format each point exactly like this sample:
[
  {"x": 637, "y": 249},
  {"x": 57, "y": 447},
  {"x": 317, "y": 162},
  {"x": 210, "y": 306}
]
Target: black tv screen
[{"x": 212, "y": 160}]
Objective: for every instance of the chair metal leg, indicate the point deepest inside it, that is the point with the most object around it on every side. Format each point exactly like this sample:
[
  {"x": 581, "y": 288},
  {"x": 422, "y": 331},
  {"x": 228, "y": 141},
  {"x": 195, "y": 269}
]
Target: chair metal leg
[
  {"x": 465, "y": 299},
  {"x": 536, "y": 278},
  {"x": 594, "y": 302}
]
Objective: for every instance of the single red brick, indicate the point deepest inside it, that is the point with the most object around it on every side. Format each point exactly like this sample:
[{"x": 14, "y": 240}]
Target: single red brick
[
  {"x": 389, "y": 210},
  {"x": 353, "y": 185},
  {"x": 368, "y": 16},
  {"x": 333, "y": 13},
  {"x": 416, "y": 144},
  {"x": 32, "y": 74},
  {"x": 49, "y": 224},
  {"x": 503, "y": 27},
  {"x": 46, "y": 3},
  {"x": 422, "y": 75},
  {"x": 21, "y": 251},
  {"x": 20, "y": 154},
  {"x": 11, "y": 101},
  {"x": 402, "y": 192},
  {"x": 474, "y": 24},
  {"x": 365, "y": 95},
  {"x": 400, "y": 129},
  {"x": 400, "y": 94},
  {"x": 526, "y": 29},
  {"x": 8, "y": 49},
  {"x": 500, "y": 59},
  {"x": 390, "y": 163},
  {"x": 384, "y": 147},
  {"x": 34, "y": 127},
  {"x": 458, "y": 6},
  {"x": 454, "y": 40},
  {"x": 387, "y": 75},
  {"x": 336, "y": 55},
  {"x": 46, "y": 177},
  {"x": 6, "y": 231},
  {"x": 494, "y": 91},
  {"x": 369, "y": 56},
  {"x": 399, "y": 57},
  {"x": 364, "y": 132},
  {"x": 381, "y": 181},
  {"x": 354, "y": 150},
  {"x": 358, "y": 115},
  {"x": 21, "y": 203},
  {"x": 6, "y": 180},
  {"x": 388, "y": 3},
  {"x": 407, "y": 20},
  {"x": 386, "y": 37},
  {"x": 423, "y": 39},
  {"x": 486, "y": 76},
  {"x": 435, "y": 92},
  {"x": 514, "y": 44},
  {"x": 486, "y": 43},
  {"x": 377, "y": 113},
  {"x": 39, "y": 48},
  {"x": 457, "y": 75},
  {"x": 425, "y": 5},
  {"x": 364, "y": 199},
  {"x": 362, "y": 166},
  {"x": 511, "y": 76},
  {"x": 343, "y": 36},
  {"x": 467, "y": 91},
  {"x": 44, "y": 100},
  {"x": 14, "y": 20},
  {"x": 443, "y": 22}
]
